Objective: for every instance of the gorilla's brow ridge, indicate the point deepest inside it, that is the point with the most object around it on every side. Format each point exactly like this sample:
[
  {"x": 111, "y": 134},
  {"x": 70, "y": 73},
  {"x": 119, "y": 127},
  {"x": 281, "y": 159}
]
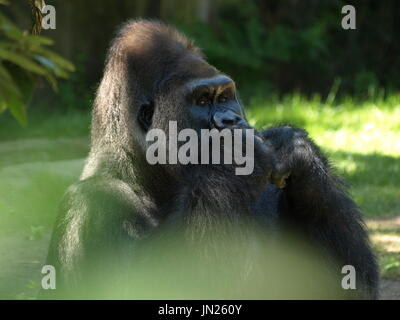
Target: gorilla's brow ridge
[{"x": 220, "y": 80}]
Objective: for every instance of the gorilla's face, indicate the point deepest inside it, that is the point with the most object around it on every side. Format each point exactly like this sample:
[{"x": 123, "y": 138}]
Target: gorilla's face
[
  {"x": 212, "y": 103},
  {"x": 196, "y": 96}
]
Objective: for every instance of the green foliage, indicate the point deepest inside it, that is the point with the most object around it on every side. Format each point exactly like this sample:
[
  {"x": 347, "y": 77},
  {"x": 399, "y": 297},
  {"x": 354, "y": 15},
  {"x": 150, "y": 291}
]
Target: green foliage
[
  {"x": 23, "y": 58},
  {"x": 36, "y": 233},
  {"x": 73, "y": 93},
  {"x": 392, "y": 264},
  {"x": 296, "y": 45},
  {"x": 241, "y": 44}
]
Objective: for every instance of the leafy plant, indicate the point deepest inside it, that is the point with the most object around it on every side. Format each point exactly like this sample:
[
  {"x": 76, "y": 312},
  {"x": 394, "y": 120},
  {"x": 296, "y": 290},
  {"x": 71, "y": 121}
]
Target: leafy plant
[
  {"x": 36, "y": 232},
  {"x": 392, "y": 264},
  {"x": 23, "y": 58}
]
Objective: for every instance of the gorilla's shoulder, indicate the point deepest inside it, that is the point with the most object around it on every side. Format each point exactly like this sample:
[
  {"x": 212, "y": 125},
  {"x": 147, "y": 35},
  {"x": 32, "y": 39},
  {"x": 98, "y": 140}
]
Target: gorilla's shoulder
[
  {"x": 101, "y": 193},
  {"x": 106, "y": 202}
]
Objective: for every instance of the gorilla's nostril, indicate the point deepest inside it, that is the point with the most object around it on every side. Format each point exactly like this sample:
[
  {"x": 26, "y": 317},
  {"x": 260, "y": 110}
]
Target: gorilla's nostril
[
  {"x": 229, "y": 122},
  {"x": 226, "y": 119}
]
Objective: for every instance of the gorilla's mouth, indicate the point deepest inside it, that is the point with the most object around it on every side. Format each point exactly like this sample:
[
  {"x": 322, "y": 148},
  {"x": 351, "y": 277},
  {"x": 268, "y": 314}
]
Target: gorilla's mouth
[
  {"x": 241, "y": 125},
  {"x": 232, "y": 147}
]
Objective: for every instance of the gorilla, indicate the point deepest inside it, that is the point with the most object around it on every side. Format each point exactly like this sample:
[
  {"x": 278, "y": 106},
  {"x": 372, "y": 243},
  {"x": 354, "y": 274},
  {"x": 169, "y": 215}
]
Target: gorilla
[{"x": 112, "y": 216}]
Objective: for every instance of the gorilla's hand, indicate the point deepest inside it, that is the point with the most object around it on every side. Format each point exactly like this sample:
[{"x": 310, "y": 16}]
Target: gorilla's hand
[
  {"x": 294, "y": 154},
  {"x": 264, "y": 159}
]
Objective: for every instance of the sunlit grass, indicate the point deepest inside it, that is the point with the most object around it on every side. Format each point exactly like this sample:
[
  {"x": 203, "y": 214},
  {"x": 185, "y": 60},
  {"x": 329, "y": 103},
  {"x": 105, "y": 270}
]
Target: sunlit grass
[
  {"x": 361, "y": 127},
  {"x": 385, "y": 235}
]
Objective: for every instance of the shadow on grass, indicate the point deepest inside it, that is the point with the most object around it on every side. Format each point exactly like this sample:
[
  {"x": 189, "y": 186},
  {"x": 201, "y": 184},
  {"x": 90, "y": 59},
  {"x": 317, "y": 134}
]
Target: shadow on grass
[{"x": 374, "y": 180}]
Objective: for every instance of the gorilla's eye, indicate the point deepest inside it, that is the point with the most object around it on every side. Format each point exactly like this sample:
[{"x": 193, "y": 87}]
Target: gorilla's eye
[
  {"x": 222, "y": 98},
  {"x": 145, "y": 117},
  {"x": 202, "y": 101}
]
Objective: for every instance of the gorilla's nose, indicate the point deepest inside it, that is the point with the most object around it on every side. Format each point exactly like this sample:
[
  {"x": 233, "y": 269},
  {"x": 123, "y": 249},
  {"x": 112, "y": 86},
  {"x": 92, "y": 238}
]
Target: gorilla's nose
[{"x": 226, "y": 119}]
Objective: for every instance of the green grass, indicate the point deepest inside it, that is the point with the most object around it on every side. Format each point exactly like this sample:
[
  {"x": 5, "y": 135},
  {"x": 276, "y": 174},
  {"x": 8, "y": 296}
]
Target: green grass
[
  {"x": 385, "y": 236},
  {"x": 46, "y": 123}
]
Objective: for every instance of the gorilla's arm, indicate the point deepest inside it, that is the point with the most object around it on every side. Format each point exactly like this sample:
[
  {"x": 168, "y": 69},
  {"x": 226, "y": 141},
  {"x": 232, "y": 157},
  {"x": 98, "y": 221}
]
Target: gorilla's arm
[
  {"x": 98, "y": 219},
  {"x": 316, "y": 201}
]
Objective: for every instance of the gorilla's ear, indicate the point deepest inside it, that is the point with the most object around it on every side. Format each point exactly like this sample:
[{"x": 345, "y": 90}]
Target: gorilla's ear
[{"x": 145, "y": 116}]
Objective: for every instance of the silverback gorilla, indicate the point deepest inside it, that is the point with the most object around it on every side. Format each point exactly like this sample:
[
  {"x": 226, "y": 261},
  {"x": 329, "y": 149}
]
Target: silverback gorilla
[{"x": 155, "y": 75}]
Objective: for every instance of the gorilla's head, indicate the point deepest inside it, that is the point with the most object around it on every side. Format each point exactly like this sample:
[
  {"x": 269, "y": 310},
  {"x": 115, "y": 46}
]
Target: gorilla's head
[
  {"x": 176, "y": 83},
  {"x": 155, "y": 75}
]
